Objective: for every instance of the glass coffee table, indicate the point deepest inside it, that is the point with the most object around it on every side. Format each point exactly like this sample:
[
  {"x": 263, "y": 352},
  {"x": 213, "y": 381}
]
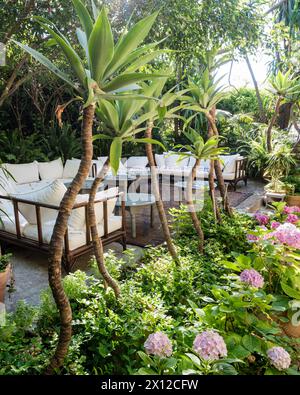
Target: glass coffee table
[
  {"x": 134, "y": 203},
  {"x": 122, "y": 181}
]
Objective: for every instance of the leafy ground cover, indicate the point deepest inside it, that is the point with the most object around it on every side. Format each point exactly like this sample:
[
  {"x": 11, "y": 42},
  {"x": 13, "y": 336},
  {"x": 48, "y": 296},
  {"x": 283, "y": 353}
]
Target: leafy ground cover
[{"x": 218, "y": 313}]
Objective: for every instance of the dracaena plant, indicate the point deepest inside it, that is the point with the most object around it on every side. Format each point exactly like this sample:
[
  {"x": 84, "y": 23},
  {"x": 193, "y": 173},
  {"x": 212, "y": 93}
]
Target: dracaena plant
[
  {"x": 205, "y": 93},
  {"x": 287, "y": 88},
  {"x": 121, "y": 121},
  {"x": 103, "y": 70},
  {"x": 165, "y": 109},
  {"x": 199, "y": 150}
]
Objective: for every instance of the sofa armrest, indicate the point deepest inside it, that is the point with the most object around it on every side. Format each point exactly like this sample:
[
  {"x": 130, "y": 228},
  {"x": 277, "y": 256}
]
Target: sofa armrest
[{"x": 240, "y": 168}]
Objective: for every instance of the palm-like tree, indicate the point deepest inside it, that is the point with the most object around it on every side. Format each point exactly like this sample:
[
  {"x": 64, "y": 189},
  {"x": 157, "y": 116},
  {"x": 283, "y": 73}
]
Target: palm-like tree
[
  {"x": 104, "y": 70},
  {"x": 163, "y": 111},
  {"x": 205, "y": 94},
  {"x": 199, "y": 150},
  {"x": 120, "y": 121},
  {"x": 286, "y": 88}
]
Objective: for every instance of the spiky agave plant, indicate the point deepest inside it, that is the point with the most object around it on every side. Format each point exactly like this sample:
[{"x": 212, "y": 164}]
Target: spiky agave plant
[
  {"x": 105, "y": 69},
  {"x": 287, "y": 88}
]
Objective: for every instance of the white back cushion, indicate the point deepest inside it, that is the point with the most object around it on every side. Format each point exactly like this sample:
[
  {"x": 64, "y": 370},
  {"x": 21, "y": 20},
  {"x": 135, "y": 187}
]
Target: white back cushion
[
  {"x": 77, "y": 218},
  {"x": 160, "y": 161},
  {"x": 7, "y": 184},
  {"x": 51, "y": 170},
  {"x": 137, "y": 162},
  {"x": 171, "y": 161},
  {"x": 122, "y": 166},
  {"x": 71, "y": 168},
  {"x": 205, "y": 165},
  {"x": 102, "y": 158},
  {"x": 229, "y": 162},
  {"x": 25, "y": 172},
  {"x": 51, "y": 193},
  {"x": 192, "y": 162}
]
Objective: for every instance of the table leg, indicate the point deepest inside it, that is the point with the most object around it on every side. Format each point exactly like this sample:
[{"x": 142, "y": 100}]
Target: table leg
[
  {"x": 133, "y": 223},
  {"x": 151, "y": 215}
]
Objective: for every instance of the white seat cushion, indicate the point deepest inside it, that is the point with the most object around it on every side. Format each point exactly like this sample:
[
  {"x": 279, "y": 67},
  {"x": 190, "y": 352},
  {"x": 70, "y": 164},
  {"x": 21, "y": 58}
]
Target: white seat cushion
[
  {"x": 77, "y": 218},
  {"x": 51, "y": 193},
  {"x": 7, "y": 215},
  {"x": 9, "y": 225},
  {"x": 23, "y": 173},
  {"x": 51, "y": 170},
  {"x": 139, "y": 172},
  {"x": 228, "y": 176},
  {"x": 77, "y": 238},
  {"x": 136, "y": 162},
  {"x": 202, "y": 173},
  {"x": 71, "y": 168},
  {"x": 178, "y": 172},
  {"x": 31, "y": 186}
]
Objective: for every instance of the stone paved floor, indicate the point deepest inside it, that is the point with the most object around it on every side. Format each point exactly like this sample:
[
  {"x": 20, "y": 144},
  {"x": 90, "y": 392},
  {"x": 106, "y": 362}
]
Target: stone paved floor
[
  {"x": 31, "y": 274},
  {"x": 30, "y": 268}
]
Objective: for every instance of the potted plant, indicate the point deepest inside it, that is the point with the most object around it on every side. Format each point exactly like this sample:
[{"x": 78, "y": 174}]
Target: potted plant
[
  {"x": 293, "y": 189},
  {"x": 5, "y": 274}
]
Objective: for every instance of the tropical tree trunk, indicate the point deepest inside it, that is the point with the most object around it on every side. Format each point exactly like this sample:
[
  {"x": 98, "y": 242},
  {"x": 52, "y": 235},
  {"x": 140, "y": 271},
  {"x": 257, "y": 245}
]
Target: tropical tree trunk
[
  {"x": 97, "y": 242},
  {"x": 57, "y": 242},
  {"x": 272, "y": 123},
  {"x": 262, "y": 115},
  {"x": 284, "y": 115},
  {"x": 212, "y": 192},
  {"x": 158, "y": 199},
  {"x": 218, "y": 169},
  {"x": 191, "y": 206}
]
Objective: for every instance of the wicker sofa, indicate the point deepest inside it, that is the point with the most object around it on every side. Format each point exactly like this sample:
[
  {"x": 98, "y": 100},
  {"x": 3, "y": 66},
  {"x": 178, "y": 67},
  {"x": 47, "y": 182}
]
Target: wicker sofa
[{"x": 29, "y": 205}]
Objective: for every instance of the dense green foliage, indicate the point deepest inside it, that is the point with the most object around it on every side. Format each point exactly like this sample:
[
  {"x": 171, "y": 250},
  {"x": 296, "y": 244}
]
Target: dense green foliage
[{"x": 157, "y": 295}]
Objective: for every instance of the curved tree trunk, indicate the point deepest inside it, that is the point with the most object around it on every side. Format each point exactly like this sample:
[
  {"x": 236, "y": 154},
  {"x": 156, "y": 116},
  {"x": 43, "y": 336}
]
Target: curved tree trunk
[
  {"x": 158, "y": 199},
  {"x": 284, "y": 115},
  {"x": 271, "y": 124},
  {"x": 218, "y": 169},
  {"x": 262, "y": 115},
  {"x": 57, "y": 242},
  {"x": 97, "y": 242},
  {"x": 191, "y": 206},
  {"x": 211, "y": 181}
]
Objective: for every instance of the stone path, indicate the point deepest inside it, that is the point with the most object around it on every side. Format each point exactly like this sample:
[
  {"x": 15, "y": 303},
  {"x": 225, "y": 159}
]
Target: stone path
[{"x": 31, "y": 274}]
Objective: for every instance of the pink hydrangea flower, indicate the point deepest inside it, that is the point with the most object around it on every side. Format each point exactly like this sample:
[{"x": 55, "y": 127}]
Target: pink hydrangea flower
[
  {"x": 252, "y": 277},
  {"x": 262, "y": 219},
  {"x": 210, "y": 346},
  {"x": 279, "y": 358},
  {"x": 288, "y": 234},
  {"x": 291, "y": 209},
  {"x": 275, "y": 224},
  {"x": 252, "y": 238},
  {"x": 292, "y": 218},
  {"x": 158, "y": 344}
]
